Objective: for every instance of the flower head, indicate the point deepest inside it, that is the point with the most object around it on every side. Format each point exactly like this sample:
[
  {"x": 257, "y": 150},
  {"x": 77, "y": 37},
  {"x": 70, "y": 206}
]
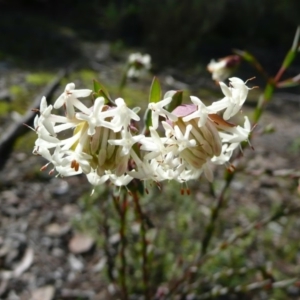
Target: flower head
[
  {"x": 235, "y": 96},
  {"x": 138, "y": 64},
  {"x": 224, "y": 67},
  {"x": 105, "y": 146}
]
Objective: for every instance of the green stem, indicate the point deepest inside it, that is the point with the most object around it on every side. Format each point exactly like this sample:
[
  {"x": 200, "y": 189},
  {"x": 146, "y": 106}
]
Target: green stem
[{"x": 265, "y": 98}]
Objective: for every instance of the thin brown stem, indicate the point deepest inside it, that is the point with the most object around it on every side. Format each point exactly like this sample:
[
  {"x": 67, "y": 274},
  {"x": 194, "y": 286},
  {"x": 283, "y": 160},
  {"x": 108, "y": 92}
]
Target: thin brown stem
[
  {"x": 141, "y": 219},
  {"x": 189, "y": 271},
  {"x": 215, "y": 213},
  {"x": 122, "y": 210}
]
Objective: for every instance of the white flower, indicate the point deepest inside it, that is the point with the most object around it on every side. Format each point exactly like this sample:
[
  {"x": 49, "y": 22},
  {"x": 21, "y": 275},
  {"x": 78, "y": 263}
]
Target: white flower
[
  {"x": 224, "y": 157},
  {"x": 44, "y": 119},
  {"x": 122, "y": 180},
  {"x": 223, "y": 68},
  {"x": 201, "y": 113},
  {"x": 121, "y": 115},
  {"x": 45, "y": 139},
  {"x": 79, "y": 161},
  {"x": 236, "y": 134},
  {"x": 154, "y": 145},
  {"x": 56, "y": 158},
  {"x": 93, "y": 117},
  {"x": 158, "y": 110},
  {"x": 182, "y": 141},
  {"x": 127, "y": 141},
  {"x": 143, "y": 170},
  {"x": 95, "y": 179},
  {"x": 69, "y": 99},
  {"x": 235, "y": 96},
  {"x": 138, "y": 64}
]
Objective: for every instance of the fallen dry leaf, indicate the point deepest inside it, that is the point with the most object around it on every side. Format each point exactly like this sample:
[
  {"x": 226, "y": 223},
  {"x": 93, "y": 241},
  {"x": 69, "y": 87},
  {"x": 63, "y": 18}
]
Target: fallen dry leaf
[
  {"x": 81, "y": 243},
  {"x": 43, "y": 293}
]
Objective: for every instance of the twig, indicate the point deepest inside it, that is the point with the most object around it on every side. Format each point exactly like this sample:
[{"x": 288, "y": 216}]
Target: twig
[
  {"x": 226, "y": 243},
  {"x": 266, "y": 284},
  {"x": 18, "y": 129}
]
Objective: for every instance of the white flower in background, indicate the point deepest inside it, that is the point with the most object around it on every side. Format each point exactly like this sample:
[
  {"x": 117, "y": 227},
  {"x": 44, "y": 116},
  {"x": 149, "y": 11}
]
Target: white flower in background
[
  {"x": 224, "y": 67},
  {"x": 102, "y": 142},
  {"x": 138, "y": 64}
]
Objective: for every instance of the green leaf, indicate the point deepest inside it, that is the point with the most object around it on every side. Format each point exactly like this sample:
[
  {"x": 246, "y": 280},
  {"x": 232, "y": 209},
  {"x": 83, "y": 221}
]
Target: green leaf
[
  {"x": 155, "y": 91},
  {"x": 176, "y": 101},
  {"x": 290, "y": 56},
  {"x": 154, "y": 96},
  {"x": 97, "y": 86},
  {"x": 101, "y": 91},
  {"x": 247, "y": 56},
  {"x": 147, "y": 118}
]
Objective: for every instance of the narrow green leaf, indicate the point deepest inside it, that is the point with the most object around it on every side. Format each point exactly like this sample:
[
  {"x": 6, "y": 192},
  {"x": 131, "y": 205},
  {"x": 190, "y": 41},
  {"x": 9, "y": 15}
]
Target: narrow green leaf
[
  {"x": 104, "y": 95},
  {"x": 155, "y": 95},
  {"x": 290, "y": 56},
  {"x": 101, "y": 91},
  {"x": 155, "y": 91},
  {"x": 296, "y": 39},
  {"x": 147, "y": 119},
  {"x": 252, "y": 60},
  {"x": 246, "y": 56},
  {"x": 97, "y": 86}
]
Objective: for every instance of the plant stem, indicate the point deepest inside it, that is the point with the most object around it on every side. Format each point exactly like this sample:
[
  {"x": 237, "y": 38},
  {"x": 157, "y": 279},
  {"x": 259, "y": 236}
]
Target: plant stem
[
  {"x": 141, "y": 218},
  {"x": 122, "y": 210},
  {"x": 265, "y": 284},
  {"x": 215, "y": 213},
  {"x": 226, "y": 243},
  {"x": 109, "y": 255}
]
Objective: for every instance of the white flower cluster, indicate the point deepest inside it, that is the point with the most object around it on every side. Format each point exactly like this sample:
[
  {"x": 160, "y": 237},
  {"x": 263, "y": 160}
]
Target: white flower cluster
[
  {"x": 224, "y": 67},
  {"x": 138, "y": 64},
  {"x": 104, "y": 143}
]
